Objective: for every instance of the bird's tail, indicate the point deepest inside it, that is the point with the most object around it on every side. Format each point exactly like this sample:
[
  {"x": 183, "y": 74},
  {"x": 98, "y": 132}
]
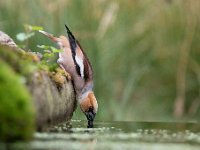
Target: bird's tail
[{"x": 53, "y": 38}]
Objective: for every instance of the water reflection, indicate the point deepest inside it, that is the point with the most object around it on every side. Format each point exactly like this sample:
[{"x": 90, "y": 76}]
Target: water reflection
[{"x": 115, "y": 135}]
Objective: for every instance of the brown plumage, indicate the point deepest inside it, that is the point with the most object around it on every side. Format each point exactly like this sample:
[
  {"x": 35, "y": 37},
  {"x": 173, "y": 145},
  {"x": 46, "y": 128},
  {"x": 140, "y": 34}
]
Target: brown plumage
[{"x": 74, "y": 61}]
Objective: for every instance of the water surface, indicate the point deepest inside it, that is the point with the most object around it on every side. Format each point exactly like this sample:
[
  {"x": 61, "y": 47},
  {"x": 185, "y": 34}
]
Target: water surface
[{"x": 115, "y": 135}]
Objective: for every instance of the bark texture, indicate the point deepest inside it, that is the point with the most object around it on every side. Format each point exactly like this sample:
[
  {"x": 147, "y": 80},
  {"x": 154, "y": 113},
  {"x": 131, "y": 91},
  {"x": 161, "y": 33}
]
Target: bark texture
[{"x": 54, "y": 103}]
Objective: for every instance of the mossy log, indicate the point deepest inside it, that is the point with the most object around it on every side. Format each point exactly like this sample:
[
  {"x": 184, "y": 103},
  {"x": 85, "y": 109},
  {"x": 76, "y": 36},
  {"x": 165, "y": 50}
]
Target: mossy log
[
  {"x": 16, "y": 110},
  {"x": 54, "y": 103},
  {"x": 48, "y": 97}
]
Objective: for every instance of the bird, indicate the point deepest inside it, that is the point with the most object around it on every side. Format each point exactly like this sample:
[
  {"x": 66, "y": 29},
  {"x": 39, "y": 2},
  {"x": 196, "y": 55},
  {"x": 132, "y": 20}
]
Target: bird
[{"x": 74, "y": 61}]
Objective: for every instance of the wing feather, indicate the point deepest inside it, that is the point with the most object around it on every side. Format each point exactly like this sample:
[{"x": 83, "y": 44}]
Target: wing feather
[{"x": 83, "y": 66}]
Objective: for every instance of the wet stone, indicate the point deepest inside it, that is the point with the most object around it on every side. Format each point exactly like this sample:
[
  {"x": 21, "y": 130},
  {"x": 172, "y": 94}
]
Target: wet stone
[{"x": 116, "y": 135}]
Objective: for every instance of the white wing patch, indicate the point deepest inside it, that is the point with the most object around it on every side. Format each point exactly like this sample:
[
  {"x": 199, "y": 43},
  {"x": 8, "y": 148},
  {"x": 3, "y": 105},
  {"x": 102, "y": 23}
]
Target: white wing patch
[{"x": 80, "y": 63}]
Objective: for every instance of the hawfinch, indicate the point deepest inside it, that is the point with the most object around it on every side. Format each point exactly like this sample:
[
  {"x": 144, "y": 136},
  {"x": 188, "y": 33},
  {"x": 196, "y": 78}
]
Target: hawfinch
[{"x": 74, "y": 61}]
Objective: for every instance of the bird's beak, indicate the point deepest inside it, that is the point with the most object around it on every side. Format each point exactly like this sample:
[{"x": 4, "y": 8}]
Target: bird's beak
[{"x": 90, "y": 115}]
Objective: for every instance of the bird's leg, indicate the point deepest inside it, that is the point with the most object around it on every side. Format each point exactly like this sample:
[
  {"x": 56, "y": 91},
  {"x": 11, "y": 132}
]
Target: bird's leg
[
  {"x": 62, "y": 71},
  {"x": 67, "y": 75}
]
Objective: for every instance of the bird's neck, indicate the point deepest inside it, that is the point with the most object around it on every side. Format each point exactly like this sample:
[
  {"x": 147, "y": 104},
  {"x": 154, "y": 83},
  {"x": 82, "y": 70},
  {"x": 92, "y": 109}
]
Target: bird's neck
[{"x": 88, "y": 88}]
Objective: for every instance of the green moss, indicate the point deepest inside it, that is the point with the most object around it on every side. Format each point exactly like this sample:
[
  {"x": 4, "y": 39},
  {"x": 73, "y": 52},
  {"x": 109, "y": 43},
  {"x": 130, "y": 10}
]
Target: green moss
[
  {"x": 21, "y": 61},
  {"x": 16, "y": 110}
]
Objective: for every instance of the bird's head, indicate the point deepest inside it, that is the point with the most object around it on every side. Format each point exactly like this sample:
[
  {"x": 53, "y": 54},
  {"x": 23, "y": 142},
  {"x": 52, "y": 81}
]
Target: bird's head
[{"x": 89, "y": 107}]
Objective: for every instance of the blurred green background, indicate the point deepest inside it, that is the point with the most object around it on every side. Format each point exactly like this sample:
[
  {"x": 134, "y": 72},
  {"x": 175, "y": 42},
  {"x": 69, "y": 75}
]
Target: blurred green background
[{"x": 145, "y": 53}]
